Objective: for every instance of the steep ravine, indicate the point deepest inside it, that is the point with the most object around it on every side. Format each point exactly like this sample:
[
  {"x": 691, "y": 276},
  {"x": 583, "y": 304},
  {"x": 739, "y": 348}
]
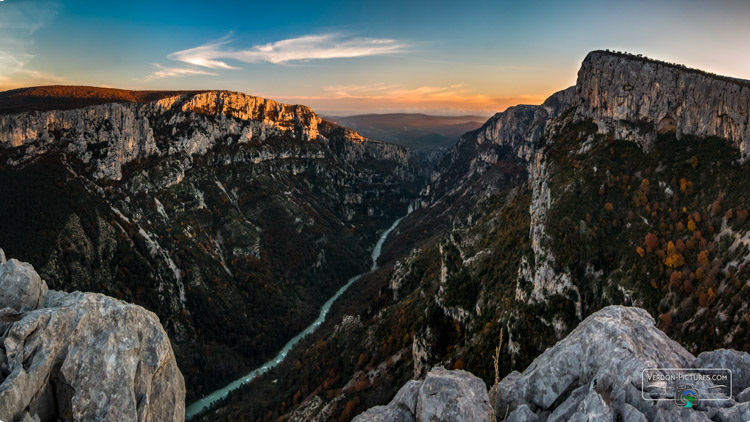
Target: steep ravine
[{"x": 206, "y": 402}]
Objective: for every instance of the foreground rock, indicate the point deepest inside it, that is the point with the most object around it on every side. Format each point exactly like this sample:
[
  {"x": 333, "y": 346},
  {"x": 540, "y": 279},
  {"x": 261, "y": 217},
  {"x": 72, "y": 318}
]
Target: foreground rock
[
  {"x": 442, "y": 396},
  {"x": 81, "y": 356},
  {"x": 595, "y": 374}
]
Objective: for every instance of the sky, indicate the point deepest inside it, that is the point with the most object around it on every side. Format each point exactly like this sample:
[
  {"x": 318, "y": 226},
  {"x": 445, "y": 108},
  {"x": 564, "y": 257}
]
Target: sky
[{"x": 353, "y": 57}]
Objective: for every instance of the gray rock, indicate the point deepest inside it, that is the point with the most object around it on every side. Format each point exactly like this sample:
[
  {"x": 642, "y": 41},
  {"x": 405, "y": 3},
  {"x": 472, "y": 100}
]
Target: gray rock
[
  {"x": 631, "y": 414},
  {"x": 21, "y": 289},
  {"x": 741, "y": 412},
  {"x": 522, "y": 414},
  {"x": 602, "y": 359},
  {"x": 452, "y": 396},
  {"x": 743, "y": 397},
  {"x": 443, "y": 396},
  {"x": 592, "y": 409},
  {"x": 616, "y": 89},
  {"x": 402, "y": 408},
  {"x": 565, "y": 411},
  {"x": 738, "y": 362},
  {"x": 83, "y": 356},
  {"x": 2, "y": 256}
]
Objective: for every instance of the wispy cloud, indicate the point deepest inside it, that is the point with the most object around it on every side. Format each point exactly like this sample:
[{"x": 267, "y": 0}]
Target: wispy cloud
[
  {"x": 164, "y": 72},
  {"x": 215, "y": 54},
  {"x": 19, "y": 21}
]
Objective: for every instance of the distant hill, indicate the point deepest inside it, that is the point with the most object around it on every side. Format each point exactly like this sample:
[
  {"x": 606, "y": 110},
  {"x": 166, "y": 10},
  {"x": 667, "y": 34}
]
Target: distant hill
[
  {"x": 62, "y": 97},
  {"x": 420, "y": 132}
]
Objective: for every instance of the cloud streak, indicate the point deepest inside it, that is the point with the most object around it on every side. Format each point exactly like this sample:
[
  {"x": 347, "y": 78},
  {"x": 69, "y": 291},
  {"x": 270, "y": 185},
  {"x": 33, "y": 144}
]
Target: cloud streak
[
  {"x": 214, "y": 55},
  {"x": 164, "y": 72}
]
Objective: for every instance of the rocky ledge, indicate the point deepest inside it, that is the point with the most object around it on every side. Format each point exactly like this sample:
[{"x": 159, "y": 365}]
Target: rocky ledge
[
  {"x": 81, "y": 356},
  {"x": 594, "y": 374}
]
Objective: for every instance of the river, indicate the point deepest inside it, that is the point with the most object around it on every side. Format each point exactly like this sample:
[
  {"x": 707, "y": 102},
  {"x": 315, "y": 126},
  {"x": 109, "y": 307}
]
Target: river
[{"x": 206, "y": 401}]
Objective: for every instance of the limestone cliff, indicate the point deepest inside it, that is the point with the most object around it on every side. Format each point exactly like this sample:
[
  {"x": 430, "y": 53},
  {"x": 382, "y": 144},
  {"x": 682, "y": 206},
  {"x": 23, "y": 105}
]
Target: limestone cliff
[
  {"x": 636, "y": 97},
  {"x": 106, "y": 137}
]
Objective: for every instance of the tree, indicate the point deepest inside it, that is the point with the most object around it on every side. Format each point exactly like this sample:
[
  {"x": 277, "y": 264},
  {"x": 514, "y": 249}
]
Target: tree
[
  {"x": 652, "y": 242},
  {"x": 675, "y": 280},
  {"x": 703, "y": 258},
  {"x": 673, "y": 259}
]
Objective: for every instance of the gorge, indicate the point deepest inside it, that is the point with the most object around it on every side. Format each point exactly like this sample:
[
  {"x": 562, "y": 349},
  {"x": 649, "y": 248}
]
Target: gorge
[{"x": 246, "y": 226}]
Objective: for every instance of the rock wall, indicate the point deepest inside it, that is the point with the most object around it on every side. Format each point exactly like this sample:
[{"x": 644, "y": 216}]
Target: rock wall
[
  {"x": 109, "y": 136},
  {"x": 81, "y": 356},
  {"x": 517, "y": 129},
  {"x": 636, "y": 97}
]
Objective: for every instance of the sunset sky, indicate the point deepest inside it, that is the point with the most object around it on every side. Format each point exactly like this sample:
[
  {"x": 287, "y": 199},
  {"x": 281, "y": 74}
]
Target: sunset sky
[{"x": 347, "y": 57}]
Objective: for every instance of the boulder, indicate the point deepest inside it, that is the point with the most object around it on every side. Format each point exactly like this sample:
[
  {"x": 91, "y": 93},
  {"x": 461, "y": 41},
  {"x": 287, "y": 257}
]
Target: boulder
[
  {"x": 82, "y": 356},
  {"x": 444, "y": 395},
  {"x": 21, "y": 288},
  {"x": 402, "y": 408},
  {"x": 738, "y": 362},
  {"x": 594, "y": 374}
]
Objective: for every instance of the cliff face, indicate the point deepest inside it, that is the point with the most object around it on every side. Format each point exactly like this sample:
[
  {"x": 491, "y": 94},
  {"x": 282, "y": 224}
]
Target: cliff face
[
  {"x": 513, "y": 133},
  {"x": 231, "y": 216},
  {"x": 81, "y": 356},
  {"x": 107, "y": 137},
  {"x": 635, "y": 98}
]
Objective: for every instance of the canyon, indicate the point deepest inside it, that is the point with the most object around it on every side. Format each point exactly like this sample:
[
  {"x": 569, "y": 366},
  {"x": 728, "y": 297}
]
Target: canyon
[{"x": 235, "y": 218}]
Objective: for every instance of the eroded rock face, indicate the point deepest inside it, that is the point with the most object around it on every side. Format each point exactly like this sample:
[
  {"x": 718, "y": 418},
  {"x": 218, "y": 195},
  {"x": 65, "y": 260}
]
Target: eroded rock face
[
  {"x": 443, "y": 396},
  {"x": 81, "y": 356},
  {"x": 619, "y": 91},
  {"x": 516, "y": 130},
  {"x": 595, "y": 374}
]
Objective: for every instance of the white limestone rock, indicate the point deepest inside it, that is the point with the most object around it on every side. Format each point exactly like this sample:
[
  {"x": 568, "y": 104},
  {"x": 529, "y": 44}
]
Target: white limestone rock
[
  {"x": 82, "y": 356},
  {"x": 616, "y": 89}
]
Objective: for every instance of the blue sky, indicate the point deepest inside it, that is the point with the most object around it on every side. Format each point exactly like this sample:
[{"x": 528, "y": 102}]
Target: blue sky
[{"x": 353, "y": 57}]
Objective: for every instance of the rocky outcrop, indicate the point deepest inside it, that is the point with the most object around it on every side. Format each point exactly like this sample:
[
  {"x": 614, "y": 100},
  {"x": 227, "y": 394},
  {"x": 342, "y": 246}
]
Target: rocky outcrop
[
  {"x": 455, "y": 396},
  {"x": 81, "y": 356},
  {"x": 635, "y": 98},
  {"x": 595, "y": 373},
  {"x": 106, "y": 137},
  {"x": 515, "y": 131}
]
